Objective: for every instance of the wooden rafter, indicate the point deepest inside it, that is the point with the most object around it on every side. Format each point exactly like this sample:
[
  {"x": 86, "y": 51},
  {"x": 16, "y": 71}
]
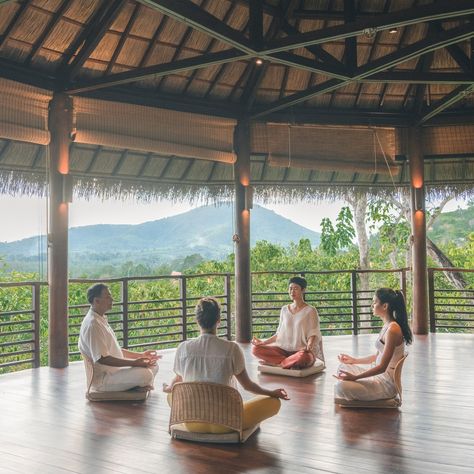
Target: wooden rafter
[
  {"x": 14, "y": 21},
  {"x": 120, "y": 162},
  {"x": 436, "y": 11},
  {"x": 123, "y": 38},
  {"x": 455, "y": 96},
  {"x": 404, "y": 54},
  {"x": 350, "y": 49},
  {"x": 90, "y": 38},
  {"x": 53, "y": 21},
  {"x": 158, "y": 70},
  {"x": 184, "y": 40},
  {"x": 202, "y": 21}
]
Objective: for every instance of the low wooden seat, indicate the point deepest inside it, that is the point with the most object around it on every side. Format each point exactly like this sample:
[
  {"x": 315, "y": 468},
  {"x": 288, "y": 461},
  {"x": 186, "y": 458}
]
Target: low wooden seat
[
  {"x": 204, "y": 402},
  {"x": 135, "y": 395},
  {"x": 394, "y": 402},
  {"x": 316, "y": 368}
]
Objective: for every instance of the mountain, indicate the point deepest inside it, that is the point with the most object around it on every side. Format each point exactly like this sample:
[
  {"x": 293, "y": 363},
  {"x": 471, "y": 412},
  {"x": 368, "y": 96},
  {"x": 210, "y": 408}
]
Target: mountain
[
  {"x": 452, "y": 226},
  {"x": 206, "y": 230}
]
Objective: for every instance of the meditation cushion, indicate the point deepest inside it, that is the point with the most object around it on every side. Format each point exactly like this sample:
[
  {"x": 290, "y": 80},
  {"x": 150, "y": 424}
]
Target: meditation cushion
[{"x": 317, "y": 367}]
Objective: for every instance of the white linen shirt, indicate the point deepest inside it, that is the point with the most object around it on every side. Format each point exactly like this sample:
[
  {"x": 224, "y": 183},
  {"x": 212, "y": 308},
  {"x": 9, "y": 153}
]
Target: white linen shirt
[
  {"x": 97, "y": 339},
  {"x": 294, "y": 330},
  {"x": 209, "y": 359}
]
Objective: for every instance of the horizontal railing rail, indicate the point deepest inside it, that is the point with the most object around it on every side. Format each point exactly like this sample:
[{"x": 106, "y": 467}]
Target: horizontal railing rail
[
  {"x": 451, "y": 299},
  {"x": 20, "y": 319},
  {"x": 343, "y": 311},
  {"x": 158, "y": 311},
  {"x": 155, "y": 311}
]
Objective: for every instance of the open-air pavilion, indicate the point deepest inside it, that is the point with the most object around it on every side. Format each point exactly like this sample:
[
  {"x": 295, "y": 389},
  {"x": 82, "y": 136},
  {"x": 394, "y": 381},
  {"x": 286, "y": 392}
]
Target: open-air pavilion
[{"x": 215, "y": 99}]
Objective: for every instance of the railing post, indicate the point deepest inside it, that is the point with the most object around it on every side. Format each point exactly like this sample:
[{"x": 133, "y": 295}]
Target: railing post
[
  {"x": 228, "y": 302},
  {"x": 355, "y": 317},
  {"x": 184, "y": 303},
  {"x": 431, "y": 299},
  {"x": 37, "y": 321},
  {"x": 125, "y": 312},
  {"x": 403, "y": 283}
]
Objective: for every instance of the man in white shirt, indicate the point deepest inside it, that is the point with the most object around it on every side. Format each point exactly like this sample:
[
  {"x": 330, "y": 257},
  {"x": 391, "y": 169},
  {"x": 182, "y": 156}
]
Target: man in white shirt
[
  {"x": 115, "y": 369},
  {"x": 211, "y": 359}
]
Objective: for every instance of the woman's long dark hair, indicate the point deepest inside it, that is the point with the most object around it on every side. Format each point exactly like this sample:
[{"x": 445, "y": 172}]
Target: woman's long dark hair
[{"x": 397, "y": 309}]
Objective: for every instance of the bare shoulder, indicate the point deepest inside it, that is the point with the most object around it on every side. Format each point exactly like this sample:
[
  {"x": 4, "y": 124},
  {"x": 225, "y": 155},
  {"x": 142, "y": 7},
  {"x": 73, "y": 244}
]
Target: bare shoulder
[{"x": 394, "y": 330}]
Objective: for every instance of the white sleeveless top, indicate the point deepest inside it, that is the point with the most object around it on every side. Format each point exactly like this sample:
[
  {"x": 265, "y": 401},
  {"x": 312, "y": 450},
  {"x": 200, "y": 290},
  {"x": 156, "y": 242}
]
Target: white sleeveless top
[{"x": 398, "y": 353}]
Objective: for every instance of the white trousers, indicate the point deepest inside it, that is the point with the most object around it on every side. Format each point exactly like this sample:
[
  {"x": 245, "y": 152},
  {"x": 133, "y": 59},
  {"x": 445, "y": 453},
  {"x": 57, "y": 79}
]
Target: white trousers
[
  {"x": 126, "y": 378},
  {"x": 377, "y": 387}
]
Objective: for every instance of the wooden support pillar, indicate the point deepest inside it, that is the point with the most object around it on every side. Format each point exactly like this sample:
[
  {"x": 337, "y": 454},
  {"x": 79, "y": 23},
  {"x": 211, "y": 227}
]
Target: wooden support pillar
[
  {"x": 418, "y": 225},
  {"x": 243, "y": 292},
  {"x": 60, "y": 126}
]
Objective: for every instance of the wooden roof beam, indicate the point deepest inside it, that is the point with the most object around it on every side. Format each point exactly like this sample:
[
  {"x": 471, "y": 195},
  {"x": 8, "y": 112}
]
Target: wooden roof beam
[
  {"x": 90, "y": 38},
  {"x": 350, "y": 48},
  {"x": 256, "y": 24},
  {"x": 415, "y": 77},
  {"x": 191, "y": 14},
  {"x": 17, "y": 72},
  {"x": 409, "y": 52},
  {"x": 182, "y": 65},
  {"x": 455, "y": 96},
  {"x": 436, "y": 11},
  {"x": 54, "y": 20},
  {"x": 14, "y": 21}
]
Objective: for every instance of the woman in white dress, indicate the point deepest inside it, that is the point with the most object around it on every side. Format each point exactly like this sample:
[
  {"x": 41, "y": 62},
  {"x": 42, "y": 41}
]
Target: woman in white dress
[
  {"x": 376, "y": 382},
  {"x": 297, "y": 342}
]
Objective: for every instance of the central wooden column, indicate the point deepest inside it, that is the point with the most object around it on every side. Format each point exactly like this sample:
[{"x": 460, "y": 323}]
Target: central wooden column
[
  {"x": 243, "y": 292},
  {"x": 418, "y": 225},
  {"x": 60, "y": 126}
]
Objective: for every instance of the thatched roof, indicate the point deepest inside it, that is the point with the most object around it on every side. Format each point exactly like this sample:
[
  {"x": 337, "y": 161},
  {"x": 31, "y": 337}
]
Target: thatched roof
[{"x": 158, "y": 86}]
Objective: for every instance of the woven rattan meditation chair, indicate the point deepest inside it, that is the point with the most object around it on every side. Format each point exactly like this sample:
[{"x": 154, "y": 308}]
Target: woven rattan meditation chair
[
  {"x": 204, "y": 402},
  {"x": 135, "y": 395},
  {"x": 394, "y": 402}
]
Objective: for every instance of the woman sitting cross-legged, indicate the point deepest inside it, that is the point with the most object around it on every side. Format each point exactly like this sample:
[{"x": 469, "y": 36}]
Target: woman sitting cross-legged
[
  {"x": 376, "y": 382},
  {"x": 297, "y": 342},
  {"x": 209, "y": 358}
]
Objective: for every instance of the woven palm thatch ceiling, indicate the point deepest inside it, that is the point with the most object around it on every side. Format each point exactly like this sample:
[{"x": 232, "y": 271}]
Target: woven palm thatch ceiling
[{"x": 345, "y": 63}]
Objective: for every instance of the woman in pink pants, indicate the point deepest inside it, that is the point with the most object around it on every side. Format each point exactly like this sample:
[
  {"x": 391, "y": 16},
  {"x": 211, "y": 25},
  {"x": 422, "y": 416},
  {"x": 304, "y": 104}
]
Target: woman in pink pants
[{"x": 297, "y": 342}]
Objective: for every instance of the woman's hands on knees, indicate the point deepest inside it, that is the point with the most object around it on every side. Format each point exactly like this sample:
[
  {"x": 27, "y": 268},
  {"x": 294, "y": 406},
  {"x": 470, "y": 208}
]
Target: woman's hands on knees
[
  {"x": 279, "y": 393},
  {"x": 346, "y": 359}
]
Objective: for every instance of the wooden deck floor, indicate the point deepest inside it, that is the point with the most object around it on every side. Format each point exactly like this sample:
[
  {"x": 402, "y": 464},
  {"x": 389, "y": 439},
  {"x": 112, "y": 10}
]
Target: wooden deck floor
[{"x": 47, "y": 426}]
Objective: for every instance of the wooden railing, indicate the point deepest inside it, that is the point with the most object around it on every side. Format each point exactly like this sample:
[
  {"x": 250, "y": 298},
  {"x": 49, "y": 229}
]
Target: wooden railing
[
  {"x": 451, "y": 306},
  {"x": 20, "y": 321},
  {"x": 159, "y": 311},
  {"x": 162, "y": 319},
  {"x": 343, "y": 311}
]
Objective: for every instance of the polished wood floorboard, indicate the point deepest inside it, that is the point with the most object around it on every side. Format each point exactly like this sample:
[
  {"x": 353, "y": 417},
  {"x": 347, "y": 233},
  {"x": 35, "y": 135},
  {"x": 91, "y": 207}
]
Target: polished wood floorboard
[{"x": 47, "y": 426}]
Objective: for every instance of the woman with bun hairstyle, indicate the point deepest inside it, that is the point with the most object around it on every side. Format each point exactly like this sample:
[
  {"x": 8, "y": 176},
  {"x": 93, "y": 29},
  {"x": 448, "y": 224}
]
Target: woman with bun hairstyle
[
  {"x": 376, "y": 382},
  {"x": 297, "y": 343}
]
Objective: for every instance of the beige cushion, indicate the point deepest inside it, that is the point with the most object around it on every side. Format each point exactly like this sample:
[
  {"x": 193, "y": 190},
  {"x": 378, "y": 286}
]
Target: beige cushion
[
  {"x": 129, "y": 395},
  {"x": 181, "y": 432},
  {"x": 385, "y": 403},
  {"x": 317, "y": 367}
]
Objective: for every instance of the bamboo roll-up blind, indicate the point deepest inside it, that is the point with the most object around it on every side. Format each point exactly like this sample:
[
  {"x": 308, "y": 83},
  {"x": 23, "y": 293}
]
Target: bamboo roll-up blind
[
  {"x": 161, "y": 131},
  {"x": 355, "y": 149},
  {"x": 24, "y": 112}
]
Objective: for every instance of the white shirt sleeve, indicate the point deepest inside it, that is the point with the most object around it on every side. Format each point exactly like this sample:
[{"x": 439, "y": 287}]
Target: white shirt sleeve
[
  {"x": 313, "y": 324},
  {"x": 177, "y": 368},
  {"x": 238, "y": 360},
  {"x": 95, "y": 339}
]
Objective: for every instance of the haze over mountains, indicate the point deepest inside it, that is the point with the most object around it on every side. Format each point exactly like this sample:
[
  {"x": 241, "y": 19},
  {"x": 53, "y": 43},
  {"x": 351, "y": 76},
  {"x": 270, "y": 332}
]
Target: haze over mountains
[{"x": 206, "y": 230}]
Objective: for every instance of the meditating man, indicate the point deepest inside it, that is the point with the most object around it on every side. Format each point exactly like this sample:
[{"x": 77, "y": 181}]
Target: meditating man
[
  {"x": 115, "y": 369},
  {"x": 297, "y": 343},
  {"x": 212, "y": 359}
]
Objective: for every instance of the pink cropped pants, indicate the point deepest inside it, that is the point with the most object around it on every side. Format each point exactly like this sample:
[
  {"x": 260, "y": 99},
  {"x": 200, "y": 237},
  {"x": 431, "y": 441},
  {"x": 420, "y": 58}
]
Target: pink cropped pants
[{"x": 275, "y": 355}]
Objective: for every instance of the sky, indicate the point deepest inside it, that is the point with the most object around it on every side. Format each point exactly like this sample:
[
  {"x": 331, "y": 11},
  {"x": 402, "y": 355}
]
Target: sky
[{"x": 23, "y": 217}]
